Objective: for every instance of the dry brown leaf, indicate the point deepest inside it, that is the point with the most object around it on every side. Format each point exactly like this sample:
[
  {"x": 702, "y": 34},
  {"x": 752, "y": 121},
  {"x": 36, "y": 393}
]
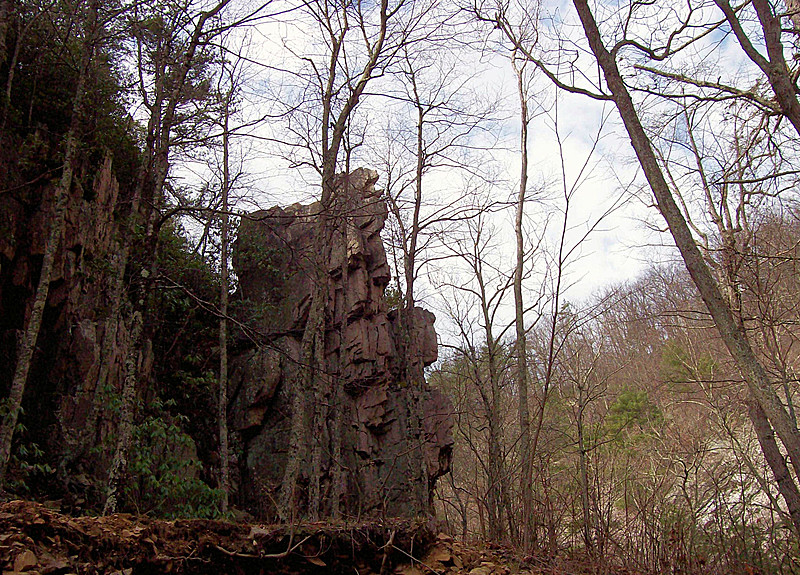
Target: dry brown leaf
[
  {"x": 25, "y": 561},
  {"x": 317, "y": 561}
]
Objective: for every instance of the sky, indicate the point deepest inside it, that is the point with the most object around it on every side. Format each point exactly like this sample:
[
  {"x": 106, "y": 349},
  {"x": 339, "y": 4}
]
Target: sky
[
  {"x": 609, "y": 254},
  {"x": 576, "y": 145}
]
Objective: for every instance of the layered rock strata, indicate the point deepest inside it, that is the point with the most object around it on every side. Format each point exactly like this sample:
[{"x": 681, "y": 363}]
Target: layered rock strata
[{"x": 371, "y": 443}]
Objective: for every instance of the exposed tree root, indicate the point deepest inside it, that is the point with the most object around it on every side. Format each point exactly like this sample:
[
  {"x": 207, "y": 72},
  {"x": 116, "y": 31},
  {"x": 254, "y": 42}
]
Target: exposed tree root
[{"x": 34, "y": 538}]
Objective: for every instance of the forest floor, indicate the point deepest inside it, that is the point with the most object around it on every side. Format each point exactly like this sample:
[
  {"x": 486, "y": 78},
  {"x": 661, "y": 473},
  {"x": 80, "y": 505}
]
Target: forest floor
[{"x": 35, "y": 539}]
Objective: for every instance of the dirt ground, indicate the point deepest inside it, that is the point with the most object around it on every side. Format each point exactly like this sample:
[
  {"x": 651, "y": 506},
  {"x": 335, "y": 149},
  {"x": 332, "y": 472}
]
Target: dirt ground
[{"x": 35, "y": 539}]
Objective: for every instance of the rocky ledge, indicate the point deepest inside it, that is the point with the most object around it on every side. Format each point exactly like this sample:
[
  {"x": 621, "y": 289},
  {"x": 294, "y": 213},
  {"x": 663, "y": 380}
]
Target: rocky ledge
[{"x": 373, "y": 443}]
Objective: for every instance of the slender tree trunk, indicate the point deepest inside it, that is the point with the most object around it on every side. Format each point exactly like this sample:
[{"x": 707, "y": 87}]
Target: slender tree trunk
[
  {"x": 222, "y": 411},
  {"x": 125, "y": 431},
  {"x": 298, "y": 440},
  {"x": 584, "y": 473},
  {"x": 304, "y": 435},
  {"x": 149, "y": 193},
  {"x": 320, "y": 396},
  {"x": 338, "y": 417},
  {"x": 731, "y": 331},
  {"x": 498, "y": 489},
  {"x": 117, "y": 291},
  {"x": 12, "y": 66},
  {"x": 117, "y": 299},
  {"x": 61, "y": 193},
  {"x": 727, "y": 278},
  {"x": 119, "y": 463},
  {"x": 520, "y": 348},
  {"x": 337, "y": 414},
  {"x": 412, "y": 371}
]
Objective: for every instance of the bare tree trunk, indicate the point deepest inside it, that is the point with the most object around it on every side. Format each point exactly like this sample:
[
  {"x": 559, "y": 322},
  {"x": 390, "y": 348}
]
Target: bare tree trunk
[
  {"x": 5, "y": 16},
  {"x": 774, "y": 66},
  {"x": 498, "y": 488},
  {"x": 731, "y": 331},
  {"x": 12, "y": 65},
  {"x": 412, "y": 366},
  {"x": 584, "y": 472},
  {"x": 772, "y": 454},
  {"x": 298, "y": 440},
  {"x": 520, "y": 348},
  {"x": 305, "y": 434},
  {"x": 117, "y": 297},
  {"x": 222, "y": 409},
  {"x": 27, "y": 346},
  {"x": 337, "y": 417},
  {"x": 119, "y": 463},
  {"x": 727, "y": 278}
]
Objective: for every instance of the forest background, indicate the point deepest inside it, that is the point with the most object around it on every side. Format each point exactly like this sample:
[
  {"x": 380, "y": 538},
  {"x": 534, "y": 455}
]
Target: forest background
[{"x": 612, "y": 393}]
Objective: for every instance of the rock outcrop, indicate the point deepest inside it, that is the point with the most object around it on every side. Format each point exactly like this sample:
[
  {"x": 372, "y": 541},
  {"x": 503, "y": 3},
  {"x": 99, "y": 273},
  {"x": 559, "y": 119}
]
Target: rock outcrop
[
  {"x": 62, "y": 382},
  {"x": 372, "y": 442}
]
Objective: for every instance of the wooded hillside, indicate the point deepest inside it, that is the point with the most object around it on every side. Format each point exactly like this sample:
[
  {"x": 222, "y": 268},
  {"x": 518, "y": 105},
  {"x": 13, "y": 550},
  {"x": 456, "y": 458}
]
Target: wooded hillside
[{"x": 529, "y": 268}]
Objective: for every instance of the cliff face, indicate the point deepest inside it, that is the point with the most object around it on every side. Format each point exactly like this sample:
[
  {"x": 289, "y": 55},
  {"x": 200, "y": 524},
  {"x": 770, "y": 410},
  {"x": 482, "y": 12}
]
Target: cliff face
[
  {"x": 372, "y": 441},
  {"x": 378, "y": 444},
  {"x": 62, "y": 384}
]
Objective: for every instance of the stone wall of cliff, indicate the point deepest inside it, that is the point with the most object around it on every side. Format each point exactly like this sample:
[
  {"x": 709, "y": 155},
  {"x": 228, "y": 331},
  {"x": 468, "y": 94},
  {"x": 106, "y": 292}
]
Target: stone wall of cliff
[
  {"x": 61, "y": 389},
  {"x": 386, "y": 439}
]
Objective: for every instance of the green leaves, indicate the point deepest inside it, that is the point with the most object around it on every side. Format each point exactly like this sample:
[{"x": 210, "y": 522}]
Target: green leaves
[
  {"x": 164, "y": 472},
  {"x": 681, "y": 366},
  {"x": 632, "y": 417}
]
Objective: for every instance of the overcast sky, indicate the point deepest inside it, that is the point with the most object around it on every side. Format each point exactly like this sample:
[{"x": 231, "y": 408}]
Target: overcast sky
[{"x": 598, "y": 164}]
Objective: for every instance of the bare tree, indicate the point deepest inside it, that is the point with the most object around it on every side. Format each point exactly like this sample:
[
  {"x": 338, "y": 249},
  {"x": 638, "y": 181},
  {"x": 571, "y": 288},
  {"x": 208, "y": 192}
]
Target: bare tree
[
  {"x": 732, "y": 331},
  {"x": 520, "y": 351},
  {"x": 615, "y": 89},
  {"x": 360, "y": 43},
  {"x": 484, "y": 287},
  {"x": 171, "y": 77},
  {"x": 227, "y": 87}
]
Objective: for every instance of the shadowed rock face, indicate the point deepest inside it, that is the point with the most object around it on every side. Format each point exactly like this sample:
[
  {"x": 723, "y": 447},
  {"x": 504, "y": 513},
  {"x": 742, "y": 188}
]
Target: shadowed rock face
[
  {"x": 62, "y": 381},
  {"x": 385, "y": 440}
]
